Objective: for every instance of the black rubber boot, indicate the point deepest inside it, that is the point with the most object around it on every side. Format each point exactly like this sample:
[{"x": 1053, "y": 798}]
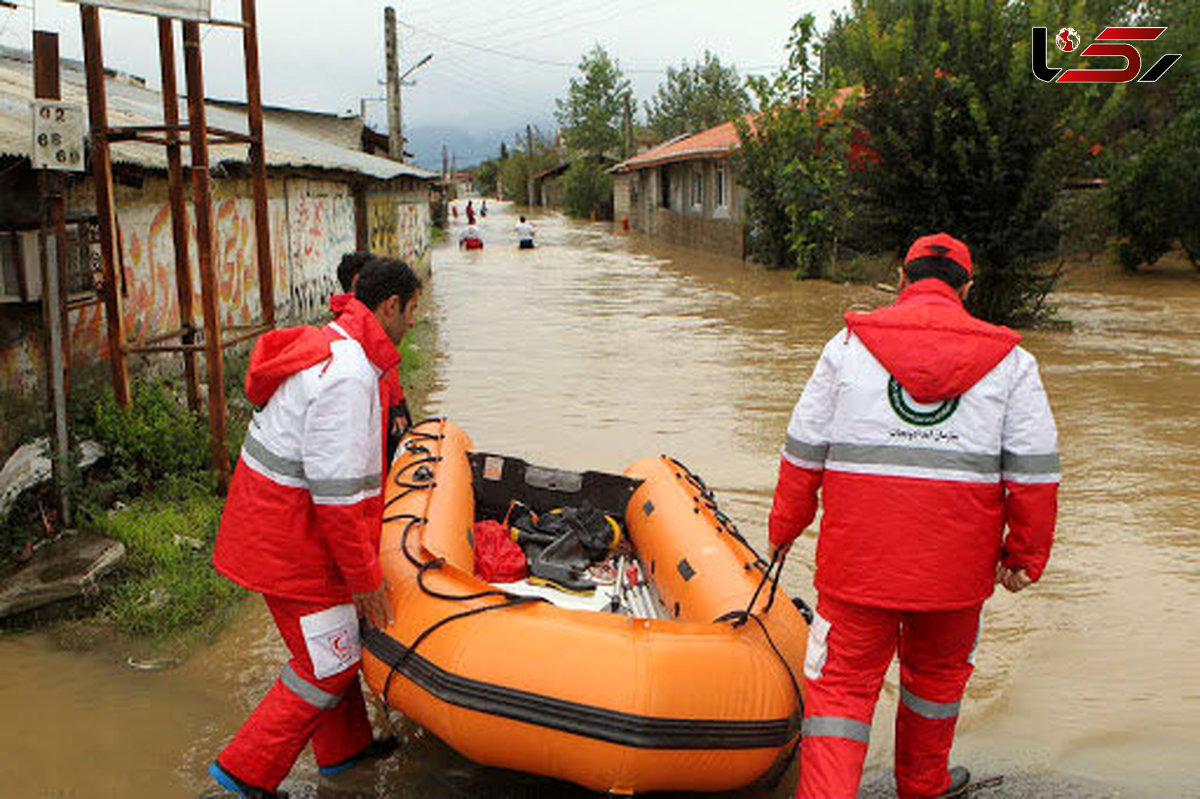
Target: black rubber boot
[
  {"x": 960, "y": 781},
  {"x": 377, "y": 749}
]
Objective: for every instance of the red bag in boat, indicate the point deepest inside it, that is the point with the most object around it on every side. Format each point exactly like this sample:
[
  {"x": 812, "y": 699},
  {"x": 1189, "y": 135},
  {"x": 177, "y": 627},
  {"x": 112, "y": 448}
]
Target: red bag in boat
[{"x": 498, "y": 559}]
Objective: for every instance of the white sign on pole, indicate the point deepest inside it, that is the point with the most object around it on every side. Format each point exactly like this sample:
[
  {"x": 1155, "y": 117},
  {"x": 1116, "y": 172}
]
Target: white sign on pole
[
  {"x": 58, "y": 135},
  {"x": 198, "y": 10}
]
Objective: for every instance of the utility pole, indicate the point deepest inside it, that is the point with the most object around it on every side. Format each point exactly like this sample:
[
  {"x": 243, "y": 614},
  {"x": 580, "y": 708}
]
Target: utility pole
[
  {"x": 529, "y": 165},
  {"x": 628, "y": 126},
  {"x": 445, "y": 187},
  {"x": 395, "y": 120}
]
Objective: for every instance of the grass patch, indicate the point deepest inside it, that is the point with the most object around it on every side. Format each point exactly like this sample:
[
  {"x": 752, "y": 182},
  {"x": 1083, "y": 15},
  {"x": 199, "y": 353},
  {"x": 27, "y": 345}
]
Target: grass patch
[{"x": 169, "y": 585}]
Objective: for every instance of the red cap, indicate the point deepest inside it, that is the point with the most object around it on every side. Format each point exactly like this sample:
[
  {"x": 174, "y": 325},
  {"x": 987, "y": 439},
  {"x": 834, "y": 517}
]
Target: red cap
[{"x": 940, "y": 245}]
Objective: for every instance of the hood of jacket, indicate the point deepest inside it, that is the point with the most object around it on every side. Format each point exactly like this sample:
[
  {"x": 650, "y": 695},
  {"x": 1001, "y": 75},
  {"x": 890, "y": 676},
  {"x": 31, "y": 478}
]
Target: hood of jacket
[
  {"x": 930, "y": 343},
  {"x": 279, "y": 354}
]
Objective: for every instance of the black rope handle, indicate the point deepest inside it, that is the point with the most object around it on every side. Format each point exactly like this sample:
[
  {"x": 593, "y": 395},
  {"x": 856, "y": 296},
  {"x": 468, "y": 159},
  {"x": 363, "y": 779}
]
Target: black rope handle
[
  {"x": 708, "y": 500},
  {"x": 423, "y": 567}
]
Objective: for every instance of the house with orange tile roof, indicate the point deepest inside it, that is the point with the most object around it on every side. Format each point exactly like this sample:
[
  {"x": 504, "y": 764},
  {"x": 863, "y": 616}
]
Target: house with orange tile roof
[{"x": 684, "y": 192}]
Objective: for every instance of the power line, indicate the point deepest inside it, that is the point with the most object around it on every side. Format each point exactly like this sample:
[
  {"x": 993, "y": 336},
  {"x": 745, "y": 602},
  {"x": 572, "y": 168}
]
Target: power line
[{"x": 548, "y": 62}]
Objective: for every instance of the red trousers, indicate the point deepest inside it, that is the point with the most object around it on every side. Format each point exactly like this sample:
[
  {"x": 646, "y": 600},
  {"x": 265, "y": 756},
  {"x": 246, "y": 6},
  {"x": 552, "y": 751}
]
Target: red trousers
[
  {"x": 849, "y": 649},
  {"x": 299, "y": 707}
]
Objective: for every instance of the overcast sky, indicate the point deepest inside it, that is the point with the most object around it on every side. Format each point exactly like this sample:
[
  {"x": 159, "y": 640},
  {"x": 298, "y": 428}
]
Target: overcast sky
[{"x": 497, "y": 64}]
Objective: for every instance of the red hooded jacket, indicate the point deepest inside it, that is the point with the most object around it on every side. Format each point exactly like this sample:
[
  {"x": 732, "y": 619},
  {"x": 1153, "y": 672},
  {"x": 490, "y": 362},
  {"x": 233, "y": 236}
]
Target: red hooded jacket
[
  {"x": 395, "y": 404},
  {"x": 928, "y": 433},
  {"x": 303, "y": 515}
]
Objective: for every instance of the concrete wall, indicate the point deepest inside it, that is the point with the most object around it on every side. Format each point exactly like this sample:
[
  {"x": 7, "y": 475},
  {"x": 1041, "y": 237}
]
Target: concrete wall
[
  {"x": 312, "y": 224},
  {"x": 623, "y": 196},
  {"x": 716, "y": 236},
  {"x": 706, "y": 224},
  {"x": 551, "y": 192}
]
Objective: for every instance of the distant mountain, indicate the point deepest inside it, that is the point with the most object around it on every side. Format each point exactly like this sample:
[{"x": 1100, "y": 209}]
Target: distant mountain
[{"x": 425, "y": 143}]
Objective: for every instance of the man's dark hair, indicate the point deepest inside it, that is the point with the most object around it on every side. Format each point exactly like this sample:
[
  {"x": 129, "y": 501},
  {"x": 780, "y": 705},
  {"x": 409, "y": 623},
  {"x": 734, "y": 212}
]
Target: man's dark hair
[
  {"x": 381, "y": 278},
  {"x": 522, "y": 219},
  {"x": 943, "y": 269},
  {"x": 352, "y": 263}
]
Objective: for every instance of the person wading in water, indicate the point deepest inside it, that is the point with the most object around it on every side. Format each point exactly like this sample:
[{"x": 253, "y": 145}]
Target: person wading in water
[
  {"x": 301, "y": 527},
  {"x": 927, "y": 432}
]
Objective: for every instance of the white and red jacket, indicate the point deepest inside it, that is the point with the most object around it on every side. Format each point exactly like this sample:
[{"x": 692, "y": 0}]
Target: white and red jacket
[
  {"x": 395, "y": 406},
  {"x": 302, "y": 519},
  {"x": 927, "y": 432}
]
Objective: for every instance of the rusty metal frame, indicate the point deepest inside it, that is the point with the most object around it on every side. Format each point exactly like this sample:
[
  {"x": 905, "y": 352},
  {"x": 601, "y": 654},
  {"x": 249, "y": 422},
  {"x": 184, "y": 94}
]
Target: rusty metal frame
[{"x": 174, "y": 134}]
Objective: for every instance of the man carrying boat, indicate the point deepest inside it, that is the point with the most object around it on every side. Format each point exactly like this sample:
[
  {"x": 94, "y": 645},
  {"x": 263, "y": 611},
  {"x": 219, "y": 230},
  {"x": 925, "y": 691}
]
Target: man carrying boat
[
  {"x": 927, "y": 432},
  {"x": 301, "y": 527}
]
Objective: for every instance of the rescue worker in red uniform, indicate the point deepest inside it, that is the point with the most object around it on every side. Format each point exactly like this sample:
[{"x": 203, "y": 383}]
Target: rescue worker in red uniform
[
  {"x": 927, "y": 433},
  {"x": 399, "y": 419},
  {"x": 301, "y": 527}
]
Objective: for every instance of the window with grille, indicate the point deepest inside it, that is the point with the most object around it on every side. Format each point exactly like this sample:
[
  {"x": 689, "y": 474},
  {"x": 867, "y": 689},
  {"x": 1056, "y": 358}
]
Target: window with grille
[
  {"x": 721, "y": 188},
  {"x": 20, "y": 262}
]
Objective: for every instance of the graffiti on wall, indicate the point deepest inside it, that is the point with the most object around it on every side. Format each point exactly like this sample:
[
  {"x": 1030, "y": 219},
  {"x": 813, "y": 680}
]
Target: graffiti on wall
[
  {"x": 312, "y": 226},
  {"x": 321, "y": 231},
  {"x": 398, "y": 228},
  {"x": 150, "y": 303}
]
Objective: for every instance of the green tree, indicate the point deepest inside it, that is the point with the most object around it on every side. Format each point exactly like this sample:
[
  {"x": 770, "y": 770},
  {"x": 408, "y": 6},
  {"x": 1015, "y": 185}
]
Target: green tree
[
  {"x": 695, "y": 97},
  {"x": 592, "y": 113},
  {"x": 1155, "y": 143},
  {"x": 793, "y": 163},
  {"x": 588, "y": 189},
  {"x": 486, "y": 175},
  {"x": 1156, "y": 195},
  {"x": 521, "y": 164},
  {"x": 966, "y": 139}
]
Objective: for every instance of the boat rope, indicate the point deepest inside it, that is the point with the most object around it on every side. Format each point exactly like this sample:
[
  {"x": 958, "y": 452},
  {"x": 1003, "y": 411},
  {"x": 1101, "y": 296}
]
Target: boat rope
[
  {"x": 422, "y": 480},
  {"x": 739, "y": 618},
  {"x": 707, "y": 499}
]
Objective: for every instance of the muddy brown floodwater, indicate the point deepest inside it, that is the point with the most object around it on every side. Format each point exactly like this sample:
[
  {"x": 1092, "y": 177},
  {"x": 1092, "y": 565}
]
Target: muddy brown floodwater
[{"x": 597, "y": 349}]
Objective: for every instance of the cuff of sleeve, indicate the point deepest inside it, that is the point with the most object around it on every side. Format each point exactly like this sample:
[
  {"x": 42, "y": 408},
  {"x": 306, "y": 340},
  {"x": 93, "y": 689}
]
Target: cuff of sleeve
[
  {"x": 366, "y": 581},
  {"x": 781, "y": 532},
  {"x": 1032, "y": 570}
]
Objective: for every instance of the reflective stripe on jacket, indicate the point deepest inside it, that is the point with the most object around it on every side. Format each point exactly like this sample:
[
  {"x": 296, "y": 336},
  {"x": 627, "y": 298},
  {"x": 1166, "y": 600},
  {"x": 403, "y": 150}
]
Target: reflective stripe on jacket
[{"x": 916, "y": 495}]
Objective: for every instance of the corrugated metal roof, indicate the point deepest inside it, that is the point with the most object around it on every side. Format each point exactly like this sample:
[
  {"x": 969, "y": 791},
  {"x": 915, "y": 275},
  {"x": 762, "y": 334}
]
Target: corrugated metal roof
[{"x": 131, "y": 103}]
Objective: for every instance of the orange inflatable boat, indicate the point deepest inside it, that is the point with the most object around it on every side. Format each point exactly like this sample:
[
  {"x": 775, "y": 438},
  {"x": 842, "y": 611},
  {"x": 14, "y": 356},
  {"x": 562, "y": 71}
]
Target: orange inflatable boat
[{"x": 699, "y": 694}]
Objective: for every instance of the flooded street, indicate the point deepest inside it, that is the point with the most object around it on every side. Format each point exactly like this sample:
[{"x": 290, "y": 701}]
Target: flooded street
[{"x": 594, "y": 350}]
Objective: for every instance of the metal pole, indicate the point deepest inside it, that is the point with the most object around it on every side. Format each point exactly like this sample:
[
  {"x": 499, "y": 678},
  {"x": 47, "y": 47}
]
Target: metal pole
[
  {"x": 258, "y": 163},
  {"x": 202, "y": 204},
  {"x": 529, "y": 166},
  {"x": 179, "y": 222},
  {"x": 46, "y": 86},
  {"x": 102, "y": 175},
  {"x": 628, "y": 151},
  {"x": 362, "y": 227},
  {"x": 391, "y": 48}
]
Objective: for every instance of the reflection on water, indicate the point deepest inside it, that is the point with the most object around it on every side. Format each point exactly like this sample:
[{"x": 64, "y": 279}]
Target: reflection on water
[{"x": 594, "y": 350}]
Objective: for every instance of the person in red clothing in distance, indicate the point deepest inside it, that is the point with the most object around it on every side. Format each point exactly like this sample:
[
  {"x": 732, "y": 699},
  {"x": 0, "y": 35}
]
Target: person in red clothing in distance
[
  {"x": 301, "y": 527},
  {"x": 399, "y": 419},
  {"x": 927, "y": 433}
]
